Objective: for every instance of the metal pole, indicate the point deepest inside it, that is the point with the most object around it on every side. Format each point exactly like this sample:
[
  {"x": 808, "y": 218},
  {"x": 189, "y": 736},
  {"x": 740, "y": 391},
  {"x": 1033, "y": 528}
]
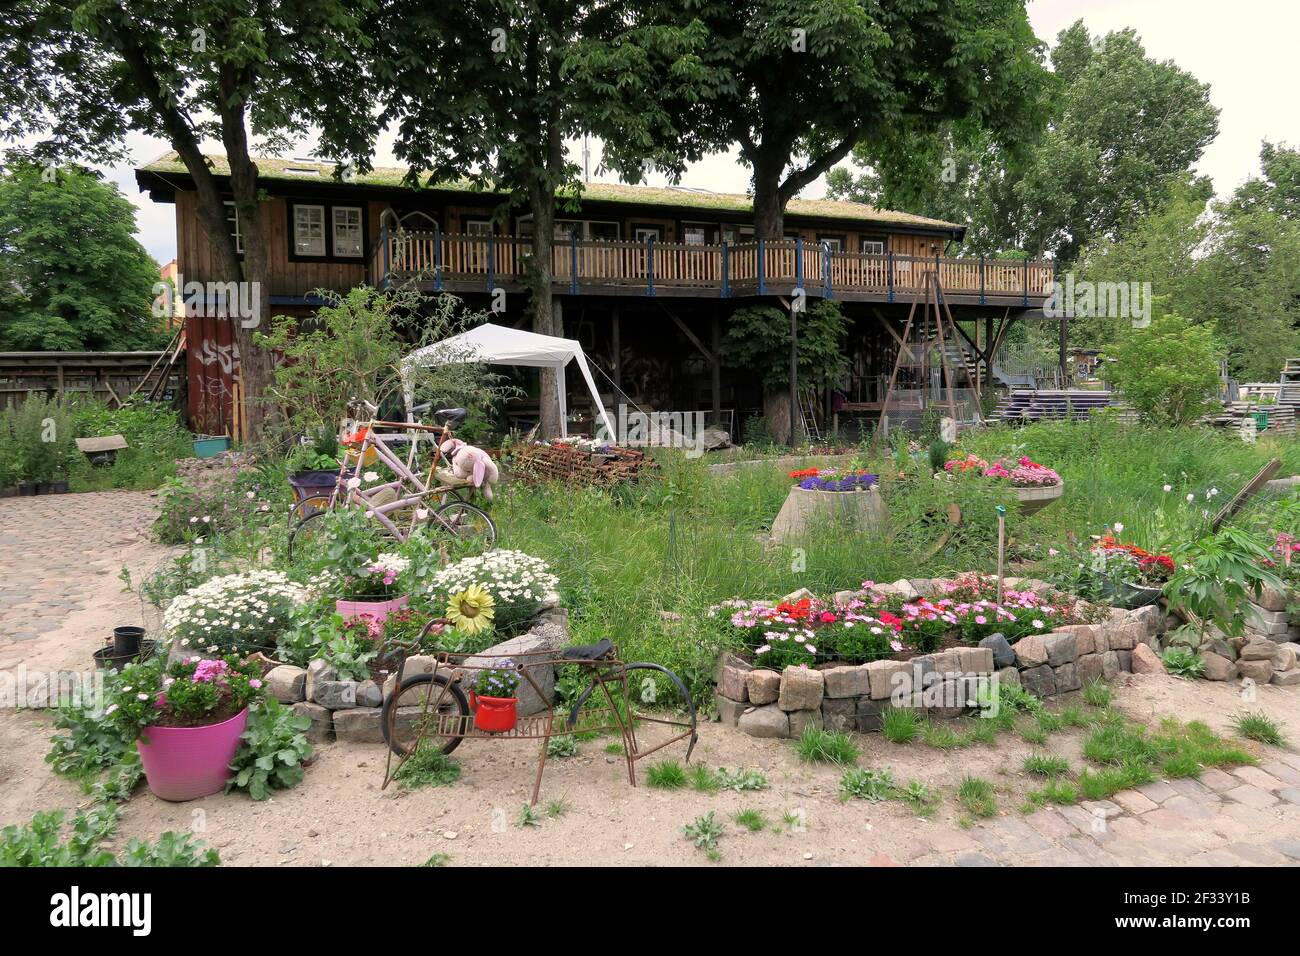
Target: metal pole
[
  {"x": 1002, "y": 547},
  {"x": 794, "y": 373}
]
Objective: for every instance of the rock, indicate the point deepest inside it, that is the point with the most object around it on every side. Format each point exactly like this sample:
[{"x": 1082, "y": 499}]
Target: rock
[
  {"x": 842, "y": 598},
  {"x": 854, "y": 681},
  {"x": 530, "y": 701},
  {"x": 369, "y": 694},
  {"x": 946, "y": 662},
  {"x": 732, "y": 683},
  {"x": 977, "y": 660},
  {"x": 548, "y": 635},
  {"x": 800, "y": 719},
  {"x": 794, "y": 597},
  {"x": 1218, "y": 667},
  {"x": 670, "y": 617},
  {"x": 335, "y": 694},
  {"x": 1261, "y": 672},
  {"x": 1039, "y": 681},
  {"x": 712, "y": 439},
  {"x": 361, "y": 725},
  {"x": 1003, "y": 653},
  {"x": 729, "y": 660},
  {"x": 1089, "y": 668},
  {"x": 1221, "y": 647},
  {"x": 840, "y": 713},
  {"x": 802, "y": 688},
  {"x": 766, "y": 721},
  {"x": 1061, "y": 648},
  {"x": 1271, "y": 599},
  {"x": 1067, "y": 678},
  {"x": 318, "y": 670},
  {"x": 762, "y": 685},
  {"x": 1271, "y": 623},
  {"x": 1287, "y": 678},
  {"x": 1286, "y": 657},
  {"x": 1145, "y": 661},
  {"x": 903, "y": 588},
  {"x": 869, "y": 714},
  {"x": 729, "y": 710},
  {"x": 322, "y": 721},
  {"x": 1125, "y": 660},
  {"x": 1151, "y": 619},
  {"x": 1259, "y": 650},
  {"x": 1083, "y": 636},
  {"x": 1123, "y": 637},
  {"x": 885, "y": 679},
  {"x": 1100, "y": 639},
  {"x": 1110, "y": 668},
  {"x": 286, "y": 683},
  {"x": 1009, "y": 676},
  {"x": 1030, "y": 651}
]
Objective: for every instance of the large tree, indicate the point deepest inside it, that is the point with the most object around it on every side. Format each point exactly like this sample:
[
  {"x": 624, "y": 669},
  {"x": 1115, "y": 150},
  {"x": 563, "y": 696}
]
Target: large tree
[
  {"x": 73, "y": 277},
  {"x": 82, "y": 74},
  {"x": 796, "y": 84},
  {"x": 1119, "y": 130},
  {"x": 490, "y": 90}
]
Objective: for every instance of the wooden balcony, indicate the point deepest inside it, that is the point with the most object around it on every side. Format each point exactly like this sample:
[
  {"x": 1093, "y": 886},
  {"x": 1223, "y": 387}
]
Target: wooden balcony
[{"x": 456, "y": 263}]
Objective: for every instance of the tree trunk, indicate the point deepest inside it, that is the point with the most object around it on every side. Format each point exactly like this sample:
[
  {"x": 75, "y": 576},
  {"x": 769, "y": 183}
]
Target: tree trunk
[
  {"x": 769, "y": 207},
  {"x": 776, "y": 412},
  {"x": 541, "y": 299}
]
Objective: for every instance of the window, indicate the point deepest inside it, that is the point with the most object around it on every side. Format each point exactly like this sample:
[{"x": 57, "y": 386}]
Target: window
[
  {"x": 872, "y": 247},
  {"x": 732, "y": 234},
  {"x": 232, "y": 219},
  {"x": 699, "y": 233},
  {"x": 836, "y": 243},
  {"x": 641, "y": 232},
  {"x": 478, "y": 227},
  {"x": 348, "y": 238},
  {"x": 603, "y": 231},
  {"x": 309, "y": 230}
]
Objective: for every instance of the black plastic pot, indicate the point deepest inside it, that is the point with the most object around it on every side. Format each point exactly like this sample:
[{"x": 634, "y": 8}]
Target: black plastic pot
[
  {"x": 56, "y": 488},
  {"x": 108, "y": 658},
  {"x": 308, "y": 484},
  {"x": 26, "y": 488},
  {"x": 126, "y": 640}
]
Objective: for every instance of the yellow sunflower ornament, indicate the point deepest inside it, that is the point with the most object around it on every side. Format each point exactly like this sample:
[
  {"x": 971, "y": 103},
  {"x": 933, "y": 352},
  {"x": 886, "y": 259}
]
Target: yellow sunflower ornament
[{"x": 471, "y": 610}]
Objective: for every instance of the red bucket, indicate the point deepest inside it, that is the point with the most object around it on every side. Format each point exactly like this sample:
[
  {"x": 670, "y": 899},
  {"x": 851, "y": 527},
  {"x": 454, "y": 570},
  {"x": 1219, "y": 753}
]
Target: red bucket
[{"x": 495, "y": 715}]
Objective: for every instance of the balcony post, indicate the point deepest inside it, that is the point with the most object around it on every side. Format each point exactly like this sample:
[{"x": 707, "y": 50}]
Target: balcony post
[
  {"x": 798, "y": 263},
  {"x": 827, "y": 291},
  {"x": 889, "y": 275},
  {"x": 983, "y": 299},
  {"x": 726, "y": 270},
  {"x": 1025, "y": 273},
  {"x": 383, "y": 239},
  {"x": 762, "y": 286},
  {"x": 573, "y": 261},
  {"x": 437, "y": 258},
  {"x": 492, "y": 262},
  {"x": 649, "y": 264}
]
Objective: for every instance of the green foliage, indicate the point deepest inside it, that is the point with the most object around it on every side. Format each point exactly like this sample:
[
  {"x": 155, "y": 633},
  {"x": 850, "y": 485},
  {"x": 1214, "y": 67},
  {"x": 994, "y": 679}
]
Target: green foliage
[
  {"x": 1096, "y": 694},
  {"x": 704, "y": 832},
  {"x": 272, "y": 750},
  {"x": 977, "y": 797},
  {"x": 758, "y": 339},
  {"x": 89, "y": 741},
  {"x": 427, "y": 767},
  {"x": 565, "y": 745},
  {"x": 866, "y": 784},
  {"x": 73, "y": 276},
  {"x": 1218, "y": 575},
  {"x": 818, "y": 745},
  {"x": 740, "y": 780},
  {"x": 666, "y": 775},
  {"x": 557, "y": 808},
  {"x": 900, "y": 725},
  {"x": 36, "y": 441},
  {"x": 1168, "y": 371},
  {"x": 528, "y": 816},
  {"x": 1181, "y": 662},
  {"x": 155, "y": 439},
  {"x": 751, "y": 820},
  {"x": 42, "y": 842},
  {"x": 1045, "y": 765},
  {"x": 1258, "y": 726}
]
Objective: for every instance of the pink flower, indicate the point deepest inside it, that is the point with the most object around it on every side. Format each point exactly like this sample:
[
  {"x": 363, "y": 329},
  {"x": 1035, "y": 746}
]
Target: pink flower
[{"x": 255, "y": 683}]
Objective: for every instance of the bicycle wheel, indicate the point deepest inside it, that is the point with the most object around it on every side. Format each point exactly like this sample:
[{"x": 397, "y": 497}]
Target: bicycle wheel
[
  {"x": 406, "y": 714},
  {"x": 647, "y": 693},
  {"x": 303, "y": 534},
  {"x": 308, "y": 506},
  {"x": 467, "y": 523}
]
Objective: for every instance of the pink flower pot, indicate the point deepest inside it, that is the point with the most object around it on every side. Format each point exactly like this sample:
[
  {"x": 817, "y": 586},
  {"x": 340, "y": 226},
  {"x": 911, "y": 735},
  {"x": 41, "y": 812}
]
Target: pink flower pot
[
  {"x": 183, "y": 763},
  {"x": 376, "y": 611}
]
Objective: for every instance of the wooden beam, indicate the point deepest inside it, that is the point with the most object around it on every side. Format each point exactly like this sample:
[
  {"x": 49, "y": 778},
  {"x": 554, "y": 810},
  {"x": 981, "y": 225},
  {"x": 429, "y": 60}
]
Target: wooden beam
[
  {"x": 616, "y": 333},
  {"x": 717, "y": 369},
  {"x": 694, "y": 340}
]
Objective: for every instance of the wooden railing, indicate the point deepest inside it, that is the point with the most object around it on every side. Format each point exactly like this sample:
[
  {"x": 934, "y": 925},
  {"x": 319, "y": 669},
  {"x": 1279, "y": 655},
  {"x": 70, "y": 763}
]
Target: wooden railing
[{"x": 757, "y": 267}]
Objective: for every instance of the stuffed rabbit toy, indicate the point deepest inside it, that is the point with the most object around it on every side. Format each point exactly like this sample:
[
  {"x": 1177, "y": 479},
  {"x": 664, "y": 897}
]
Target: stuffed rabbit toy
[{"x": 472, "y": 464}]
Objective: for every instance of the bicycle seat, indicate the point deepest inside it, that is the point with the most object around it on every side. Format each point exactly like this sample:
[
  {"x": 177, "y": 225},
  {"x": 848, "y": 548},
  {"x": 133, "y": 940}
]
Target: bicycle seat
[
  {"x": 450, "y": 416},
  {"x": 588, "y": 652}
]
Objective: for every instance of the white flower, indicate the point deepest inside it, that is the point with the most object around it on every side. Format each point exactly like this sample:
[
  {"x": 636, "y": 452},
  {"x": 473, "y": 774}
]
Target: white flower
[
  {"x": 370, "y": 476},
  {"x": 1169, "y": 487},
  {"x": 1191, "y": 497},
  {"x": 1119, "y": 528},
  {"x": 250, "y": 495},
  {"x": 354, "y": 483}
]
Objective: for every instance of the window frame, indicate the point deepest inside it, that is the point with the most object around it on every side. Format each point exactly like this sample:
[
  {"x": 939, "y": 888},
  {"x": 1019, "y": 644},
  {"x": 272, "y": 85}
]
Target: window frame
[
  {"x": 330, "y": 254},
  {"x": 360, "y": 254},
  {"x": 232, "y": 218}
]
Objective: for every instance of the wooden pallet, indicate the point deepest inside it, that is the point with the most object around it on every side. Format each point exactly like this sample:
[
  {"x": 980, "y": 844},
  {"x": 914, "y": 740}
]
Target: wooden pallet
[
  {"x": 577, "y": 467},
  {"x": 1281, "y": 418}
]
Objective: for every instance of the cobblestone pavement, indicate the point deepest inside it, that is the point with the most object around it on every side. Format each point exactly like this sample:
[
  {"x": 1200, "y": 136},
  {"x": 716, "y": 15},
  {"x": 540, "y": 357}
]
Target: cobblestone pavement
[
  {"x": 1246, "y": 816},
  {"x": 59, "y": 556}
]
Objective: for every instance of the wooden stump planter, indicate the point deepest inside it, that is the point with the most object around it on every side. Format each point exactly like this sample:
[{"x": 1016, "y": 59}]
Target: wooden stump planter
[{"x": 804, "y": 508}]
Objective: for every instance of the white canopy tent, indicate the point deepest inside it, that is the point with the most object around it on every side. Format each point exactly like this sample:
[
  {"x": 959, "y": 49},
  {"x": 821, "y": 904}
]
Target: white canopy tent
[{"x": 501, "y": 345}]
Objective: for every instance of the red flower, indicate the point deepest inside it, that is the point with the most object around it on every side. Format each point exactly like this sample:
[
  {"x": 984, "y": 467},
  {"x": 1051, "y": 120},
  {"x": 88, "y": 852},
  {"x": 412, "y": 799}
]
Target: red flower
[
  {"x": 827, "y": 617},
  {"x": 891, "y": 621}
]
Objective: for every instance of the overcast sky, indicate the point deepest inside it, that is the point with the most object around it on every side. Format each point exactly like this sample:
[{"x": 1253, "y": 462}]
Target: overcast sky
[{"x": 1244, "y": 49}]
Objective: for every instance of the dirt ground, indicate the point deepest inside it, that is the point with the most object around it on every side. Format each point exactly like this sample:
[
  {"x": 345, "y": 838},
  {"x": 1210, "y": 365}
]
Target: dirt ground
[{"x": 340, "y": 816}]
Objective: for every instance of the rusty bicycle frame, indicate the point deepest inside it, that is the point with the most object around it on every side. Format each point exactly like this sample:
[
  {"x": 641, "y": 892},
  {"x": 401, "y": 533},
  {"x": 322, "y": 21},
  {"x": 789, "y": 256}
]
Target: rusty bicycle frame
[{"x": 609, "y": 674}]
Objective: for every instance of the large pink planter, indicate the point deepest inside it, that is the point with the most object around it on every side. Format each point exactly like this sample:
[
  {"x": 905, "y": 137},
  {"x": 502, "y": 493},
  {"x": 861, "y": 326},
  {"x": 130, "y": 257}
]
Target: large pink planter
[
  {"x": 184, "y": 763},
  {"x": 377, "y": 611}
]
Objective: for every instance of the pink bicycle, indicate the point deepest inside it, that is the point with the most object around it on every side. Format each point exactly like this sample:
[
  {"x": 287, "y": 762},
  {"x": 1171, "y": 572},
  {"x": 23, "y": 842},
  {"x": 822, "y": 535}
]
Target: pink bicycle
[{"x": 412, "y": 499}]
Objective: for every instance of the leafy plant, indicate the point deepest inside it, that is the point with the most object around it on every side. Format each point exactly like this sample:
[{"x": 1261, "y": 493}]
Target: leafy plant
[
  {"x": 740, "y": 780},
  {"x": 272, "y": 750},
  {"x": 751, "y": 820},
  {"x": 427, "y": 767},
  {"x": 565, "y": 745},
  {"x": 1218, "y": 575},
  {"x": 866, "y": 784},
  {"x": 666, "y": 775},
  {"x": 1169, "y": 371},
  {"x": 528, "y": 816},
  {"x": 704, "y": 833},
  {"x": 1181, "y": 662},
  {"x": 900, "y": 725},
  {"x": 818, "y": 745},
  {"x": 977, "y": 797},
  {"x": 42, "y": 842}
]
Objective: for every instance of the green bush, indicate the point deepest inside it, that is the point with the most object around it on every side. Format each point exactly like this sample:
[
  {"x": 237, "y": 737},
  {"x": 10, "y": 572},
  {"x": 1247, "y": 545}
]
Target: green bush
[
  {"x": 1168, "y": 372},
  {"x": 155, "y": 439}
]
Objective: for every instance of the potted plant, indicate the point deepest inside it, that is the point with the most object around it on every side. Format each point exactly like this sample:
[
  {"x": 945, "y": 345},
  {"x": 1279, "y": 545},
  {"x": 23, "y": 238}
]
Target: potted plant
[
  {"x": 493, "y": 699},
  {"x": 378, "y": 589},
  {"x": 187, "y": 719},
  {"x": 821, "y": 494},
  {"x": 313, "y": 468},
  {"x": 1131, "y": 577}
]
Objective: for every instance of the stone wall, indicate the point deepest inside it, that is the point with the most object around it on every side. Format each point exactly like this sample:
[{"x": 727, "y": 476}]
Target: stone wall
[
  {"x": 1268, "y": 652},
  {"x": 764, "y": 703},
  {"x": 352, "y": 710}
]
